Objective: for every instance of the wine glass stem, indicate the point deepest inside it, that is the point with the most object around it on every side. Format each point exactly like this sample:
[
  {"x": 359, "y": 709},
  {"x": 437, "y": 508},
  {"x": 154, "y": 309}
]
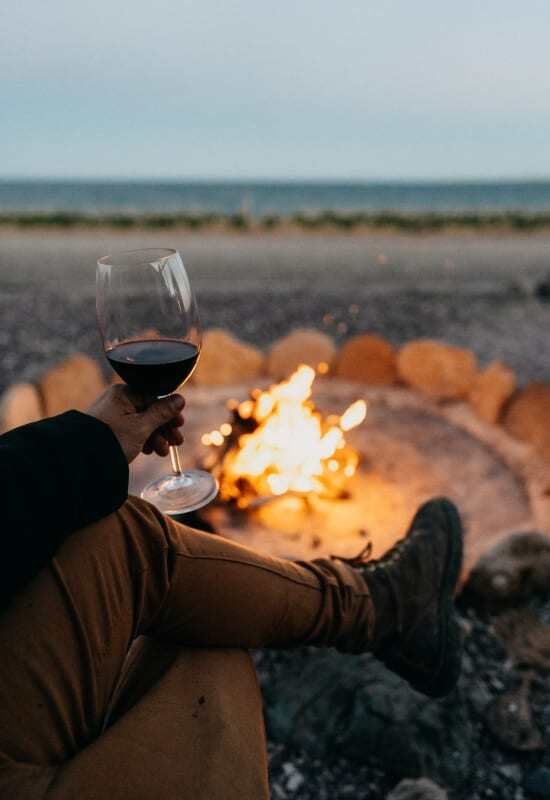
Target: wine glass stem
[{"x": 175, "y": 459}]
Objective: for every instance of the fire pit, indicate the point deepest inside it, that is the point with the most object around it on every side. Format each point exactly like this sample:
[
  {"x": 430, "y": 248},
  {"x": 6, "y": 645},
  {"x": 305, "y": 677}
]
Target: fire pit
[{"x": 355, "y": 481}]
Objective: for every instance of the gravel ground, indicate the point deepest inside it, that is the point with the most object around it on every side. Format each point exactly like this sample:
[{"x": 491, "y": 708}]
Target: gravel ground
[
  {"x": 471, "y": 291},
  {"x": 497, "y": 772}
]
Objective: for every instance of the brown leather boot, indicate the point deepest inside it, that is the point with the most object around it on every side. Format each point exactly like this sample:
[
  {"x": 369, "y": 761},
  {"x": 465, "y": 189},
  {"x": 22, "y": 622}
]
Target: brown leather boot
[{"x": 416, "y": 632}]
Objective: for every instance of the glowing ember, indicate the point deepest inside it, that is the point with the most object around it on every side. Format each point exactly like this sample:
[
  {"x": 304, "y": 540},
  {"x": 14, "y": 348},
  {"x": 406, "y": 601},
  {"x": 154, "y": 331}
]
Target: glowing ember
[{"x": 279, "y": 443}]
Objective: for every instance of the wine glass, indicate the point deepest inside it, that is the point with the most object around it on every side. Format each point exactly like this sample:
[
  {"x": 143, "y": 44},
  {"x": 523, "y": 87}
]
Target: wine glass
[{"x": 151, "y": 332}]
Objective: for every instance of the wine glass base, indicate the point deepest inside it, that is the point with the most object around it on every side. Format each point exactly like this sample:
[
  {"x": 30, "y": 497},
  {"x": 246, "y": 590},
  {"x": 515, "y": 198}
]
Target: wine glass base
[{"x": 181, "y": 494}]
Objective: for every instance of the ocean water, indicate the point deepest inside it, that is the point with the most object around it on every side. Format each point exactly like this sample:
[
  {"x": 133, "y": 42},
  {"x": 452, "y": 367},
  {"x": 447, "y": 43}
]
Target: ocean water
[{"x": 258, "y": 198}]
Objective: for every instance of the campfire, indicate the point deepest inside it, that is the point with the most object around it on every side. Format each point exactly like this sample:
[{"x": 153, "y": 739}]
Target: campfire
[
  {"x": 301, "y": 480},
  {"x": 277, "y": 443}
]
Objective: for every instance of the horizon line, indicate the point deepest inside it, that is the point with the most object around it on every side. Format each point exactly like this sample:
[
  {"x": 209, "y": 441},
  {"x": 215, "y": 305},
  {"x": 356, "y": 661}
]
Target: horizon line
[{"x": 443, "y": 181}]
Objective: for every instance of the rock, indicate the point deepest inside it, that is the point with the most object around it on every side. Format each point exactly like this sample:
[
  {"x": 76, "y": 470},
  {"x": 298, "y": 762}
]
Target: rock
[
  {"x": 528, "y": 416},
  {"x": 302, "y": 346},
  {"x": 439, "y": 370},
  {"x": 512, "y": 772},
  {"x": 294, "y": 778},
  {"x": 369, "y": 359},
  {"x": 479, "y": 697},
  {"x": 421, "y": 789},
  {"x": 331, "y": 704},
  {"x": 542, "y": 290},
  {"x": 525, "y": 637},
  {"x": 74, "y": 383},
  {"x": 225, "y": 360},
  {"x": 19, "y": 405},
  {"x": 512, "y": 571},
  {"x": 510, "y": 719},
  {"x": 491, "y": 390},
  {"x": 537, "y": 783}
]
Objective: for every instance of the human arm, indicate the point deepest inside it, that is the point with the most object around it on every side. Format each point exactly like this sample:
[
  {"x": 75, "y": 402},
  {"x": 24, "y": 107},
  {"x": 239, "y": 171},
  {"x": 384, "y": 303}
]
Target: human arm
[{"x": 63, "y": 473}]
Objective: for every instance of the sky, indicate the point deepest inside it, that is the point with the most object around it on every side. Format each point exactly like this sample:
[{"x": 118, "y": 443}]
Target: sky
[{"x": 292, "y": 89}]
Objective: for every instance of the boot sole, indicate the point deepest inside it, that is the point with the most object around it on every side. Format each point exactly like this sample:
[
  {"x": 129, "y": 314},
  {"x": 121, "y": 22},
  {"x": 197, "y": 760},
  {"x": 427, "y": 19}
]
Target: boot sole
[{"x": 442, "y": 680}]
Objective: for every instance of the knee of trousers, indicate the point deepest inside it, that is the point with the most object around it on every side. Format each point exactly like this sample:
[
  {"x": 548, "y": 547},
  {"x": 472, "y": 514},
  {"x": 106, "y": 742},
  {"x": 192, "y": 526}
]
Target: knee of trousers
[
  {"x": 134, "y": 540},
  {"x": 146, "y": 534},
  {"x": 127, "y": 557}
]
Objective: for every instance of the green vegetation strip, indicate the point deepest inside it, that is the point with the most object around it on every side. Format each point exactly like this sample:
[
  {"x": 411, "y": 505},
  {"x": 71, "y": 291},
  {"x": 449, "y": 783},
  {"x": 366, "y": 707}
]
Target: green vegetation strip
[{"x": 304, "y": 220}]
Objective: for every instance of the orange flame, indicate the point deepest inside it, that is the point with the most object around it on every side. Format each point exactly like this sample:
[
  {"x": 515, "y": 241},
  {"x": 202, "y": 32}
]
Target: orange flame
[{"x": 292, "y": 449}]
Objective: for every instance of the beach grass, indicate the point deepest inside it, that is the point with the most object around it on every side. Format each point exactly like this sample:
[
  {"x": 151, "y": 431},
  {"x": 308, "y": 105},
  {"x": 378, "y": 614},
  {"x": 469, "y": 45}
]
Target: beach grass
[{"x": 322, "y": 221}]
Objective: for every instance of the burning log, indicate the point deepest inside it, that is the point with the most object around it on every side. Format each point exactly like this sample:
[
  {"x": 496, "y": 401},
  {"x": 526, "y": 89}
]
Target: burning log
[{"x": 277, "y": 443}]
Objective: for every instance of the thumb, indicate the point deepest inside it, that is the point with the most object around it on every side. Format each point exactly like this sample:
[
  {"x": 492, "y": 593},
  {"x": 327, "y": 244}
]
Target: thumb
[{"x": 161, "y": 411}]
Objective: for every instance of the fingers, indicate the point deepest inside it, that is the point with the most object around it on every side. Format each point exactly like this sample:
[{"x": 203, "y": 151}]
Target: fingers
[
  {"x": 156, "y": 444},
  {"x": 161, "y": 439},
  {"x": 177, "y": 422},
  {"x": 173, "y": 435},
  {"x": 159, "y": 445},
  {"x": 161, "y": 422},
  {"x": 161, "y": 412}
]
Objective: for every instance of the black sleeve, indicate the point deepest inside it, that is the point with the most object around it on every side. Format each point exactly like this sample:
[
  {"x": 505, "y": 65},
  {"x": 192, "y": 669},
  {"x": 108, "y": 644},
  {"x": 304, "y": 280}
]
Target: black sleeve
[{"x": 56, "y": 476}]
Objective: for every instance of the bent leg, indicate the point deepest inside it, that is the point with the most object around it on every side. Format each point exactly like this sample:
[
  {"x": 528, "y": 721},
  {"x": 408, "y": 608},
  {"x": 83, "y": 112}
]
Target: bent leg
[
  {"x": 64, "y": 638},
  {"x": 187, "y": 724}
]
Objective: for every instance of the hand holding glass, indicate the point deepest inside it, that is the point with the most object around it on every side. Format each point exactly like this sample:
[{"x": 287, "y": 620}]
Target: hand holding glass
[{"x": 151, "y": 333}]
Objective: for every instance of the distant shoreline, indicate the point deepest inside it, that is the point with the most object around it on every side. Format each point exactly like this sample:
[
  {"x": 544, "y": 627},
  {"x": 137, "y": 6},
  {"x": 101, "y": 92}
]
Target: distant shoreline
[
  {"x": 315, "y": 221},
  {"x": 241, "y": 204}
]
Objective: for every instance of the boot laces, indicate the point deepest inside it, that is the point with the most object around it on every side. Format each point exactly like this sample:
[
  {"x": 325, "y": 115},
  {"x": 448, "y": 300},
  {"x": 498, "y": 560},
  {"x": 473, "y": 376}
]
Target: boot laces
[{"x": 362, "y": 558}]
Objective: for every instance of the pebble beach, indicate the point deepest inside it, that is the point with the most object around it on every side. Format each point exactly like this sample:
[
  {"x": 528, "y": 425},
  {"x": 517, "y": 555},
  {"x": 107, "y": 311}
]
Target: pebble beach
[{"x": 476, "y": 291}]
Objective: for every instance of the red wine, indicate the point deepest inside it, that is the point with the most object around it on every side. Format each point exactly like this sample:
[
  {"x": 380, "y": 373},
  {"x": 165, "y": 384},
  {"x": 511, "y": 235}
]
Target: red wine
[{"x": 154, "y": 367}]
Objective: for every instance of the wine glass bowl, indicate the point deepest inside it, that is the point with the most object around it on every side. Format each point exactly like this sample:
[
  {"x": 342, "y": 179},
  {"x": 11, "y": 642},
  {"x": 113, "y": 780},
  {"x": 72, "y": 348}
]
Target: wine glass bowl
[{"x": 151, "y": 332}]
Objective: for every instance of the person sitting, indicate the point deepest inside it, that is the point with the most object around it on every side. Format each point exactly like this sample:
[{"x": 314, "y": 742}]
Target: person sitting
[{"x": 124, "y": 668}]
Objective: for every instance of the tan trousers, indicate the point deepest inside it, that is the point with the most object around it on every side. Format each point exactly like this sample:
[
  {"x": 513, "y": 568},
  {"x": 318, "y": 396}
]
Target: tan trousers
[{"x": 124, "y": 670}]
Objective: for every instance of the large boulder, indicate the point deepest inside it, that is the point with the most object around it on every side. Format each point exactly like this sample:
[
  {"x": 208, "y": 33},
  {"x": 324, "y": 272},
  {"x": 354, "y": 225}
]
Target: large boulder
[
  {"x": 528, "y": 416},
  {"x": 369, "y": 359},
  {"x": 327, "y": 703},
  {"x": 225, "y": 360},
  {"x": 19, "y": 405},
  {"x": 491, "y": 391},
  {"x": 510, "y": 718},
  {"x": 74, "y": 383},
  {"x": 526, "y": 638},
  {"x": 511, "y": 572},
  {"x": 439, "y": 370},
  {"x": 302, "y": 346}
]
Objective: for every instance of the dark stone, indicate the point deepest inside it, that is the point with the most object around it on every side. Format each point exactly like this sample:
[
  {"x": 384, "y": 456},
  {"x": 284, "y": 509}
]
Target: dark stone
[
  {"x": 525, "y": 637},
  {"x": 511, "y": 773},
  {"x": 542, "y": 290},
  {"x": 330, "y": 704},
  {"x": 479, "y": 696},
  {"x": 510, "y": 719},
  {"x": 510, "y": 573},
  {"x": 537, "y": 783}
]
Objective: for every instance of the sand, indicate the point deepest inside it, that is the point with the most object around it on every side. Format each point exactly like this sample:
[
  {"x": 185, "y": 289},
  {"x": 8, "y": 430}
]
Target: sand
[{"x": 471, "y": 290}]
